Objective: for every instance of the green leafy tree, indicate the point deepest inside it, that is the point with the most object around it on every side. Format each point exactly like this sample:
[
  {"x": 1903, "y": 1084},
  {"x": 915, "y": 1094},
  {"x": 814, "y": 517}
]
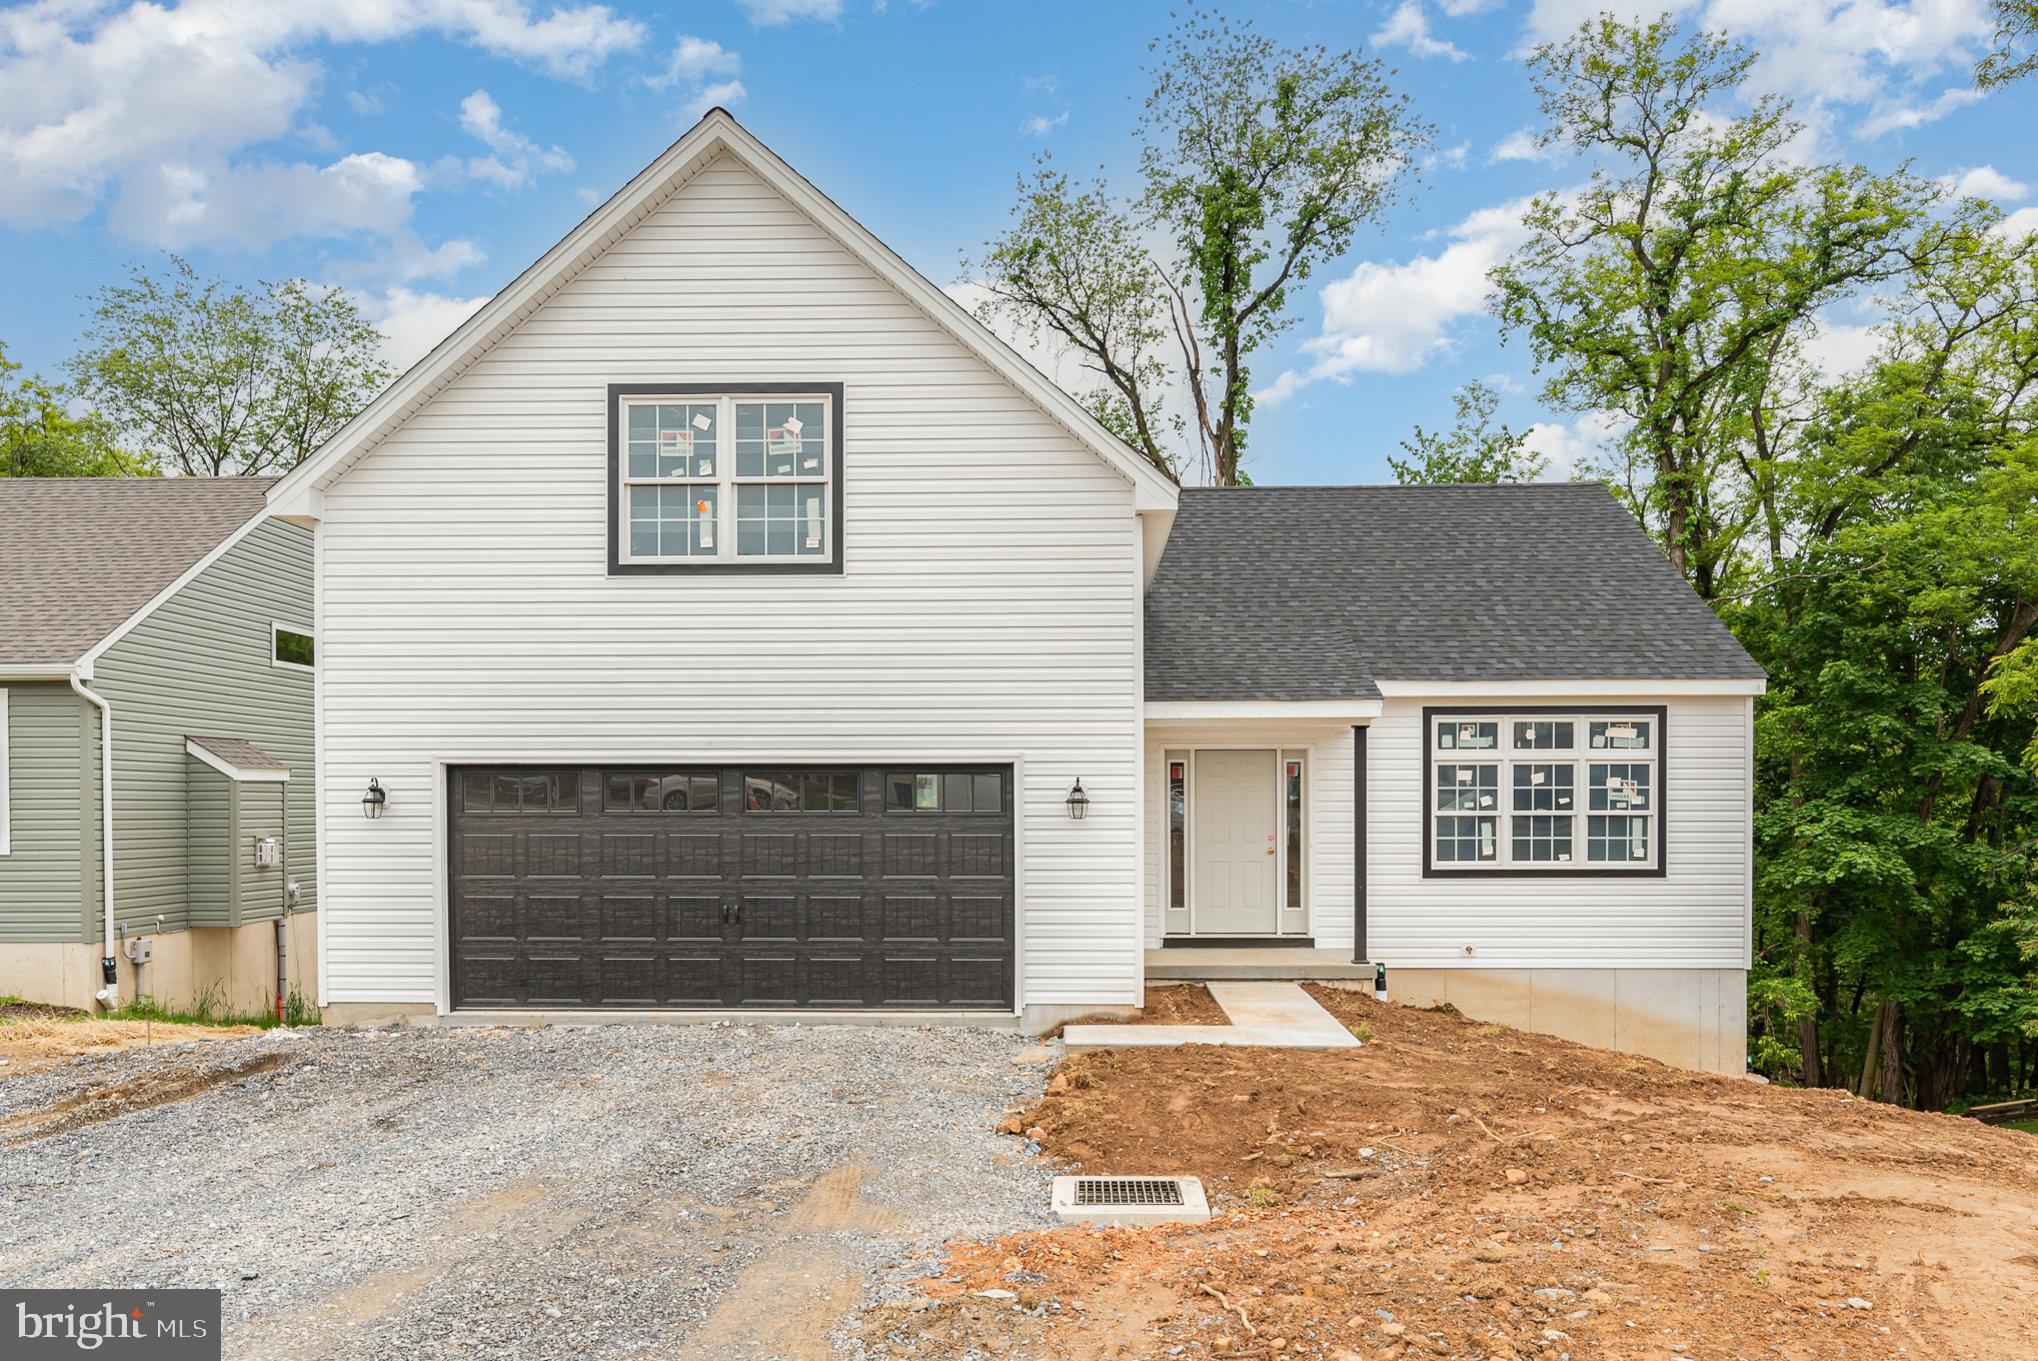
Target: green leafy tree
[
  {"x": 1680, "y": 282},
  {"x": 1474, "y": 449},
  {"x": 223, "y": 379},
  {"x": 1258, "y": 163},
  {"x": 40, "y": 436},
  {"x": 1872, "y": 538},
  {"x": 2014, "y": 53},
  {"x": 1072, "y": 270}
]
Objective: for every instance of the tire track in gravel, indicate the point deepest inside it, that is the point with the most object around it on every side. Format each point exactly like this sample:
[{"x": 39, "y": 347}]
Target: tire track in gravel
[
  {"x": 96, "y": 1105},
  {"x": 784, "y": 1306}
]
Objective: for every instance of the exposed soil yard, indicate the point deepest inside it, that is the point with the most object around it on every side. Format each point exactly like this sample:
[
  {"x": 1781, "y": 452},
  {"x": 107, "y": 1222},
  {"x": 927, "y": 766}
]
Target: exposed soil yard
[
  {"x": 35, "y": 1036},
  {"x": 1454, "y": 1189},
  {"x": 1451, "y": 1189},
  {"x": 699, "y": 1192}
]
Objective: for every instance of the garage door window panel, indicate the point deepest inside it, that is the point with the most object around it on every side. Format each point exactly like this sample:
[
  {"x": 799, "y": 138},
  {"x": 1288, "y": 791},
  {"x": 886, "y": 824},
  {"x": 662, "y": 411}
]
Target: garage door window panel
[
  {"x": 944, "y": 792},
  {"x": 648, "y": 792}
]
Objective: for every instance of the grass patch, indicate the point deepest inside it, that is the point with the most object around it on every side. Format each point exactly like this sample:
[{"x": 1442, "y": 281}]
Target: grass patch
[
  {"x": 2028, "y": 1126},
  {"x": 208, "y": 1008}
]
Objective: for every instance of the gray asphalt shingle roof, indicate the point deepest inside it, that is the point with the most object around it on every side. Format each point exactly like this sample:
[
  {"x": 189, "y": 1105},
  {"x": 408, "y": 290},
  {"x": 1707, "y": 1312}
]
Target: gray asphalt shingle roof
[
  {"x": 1317, "y": 593},
  {"x": 78, "y": 555}
]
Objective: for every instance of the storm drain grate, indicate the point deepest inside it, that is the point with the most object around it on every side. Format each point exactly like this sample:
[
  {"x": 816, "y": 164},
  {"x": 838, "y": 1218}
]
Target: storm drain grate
[
  {"x": 1131, "y": 1200},
  {"x": 1128, "y": 1191}
]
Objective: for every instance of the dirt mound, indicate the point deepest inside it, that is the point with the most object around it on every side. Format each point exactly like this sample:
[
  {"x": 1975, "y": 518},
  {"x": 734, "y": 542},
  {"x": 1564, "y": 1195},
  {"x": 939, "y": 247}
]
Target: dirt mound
[{"x": 1454, "y": 1189}]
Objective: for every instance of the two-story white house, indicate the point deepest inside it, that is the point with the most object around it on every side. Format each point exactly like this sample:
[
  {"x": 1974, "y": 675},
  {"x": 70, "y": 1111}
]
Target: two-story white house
[{"x": 723, "y": 618}]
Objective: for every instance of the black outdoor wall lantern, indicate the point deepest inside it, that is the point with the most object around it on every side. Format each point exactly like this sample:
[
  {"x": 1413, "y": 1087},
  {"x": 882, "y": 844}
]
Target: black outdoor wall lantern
[
  {"x": 1079, "y": 802},
  {"x": 373, "y": 802}
]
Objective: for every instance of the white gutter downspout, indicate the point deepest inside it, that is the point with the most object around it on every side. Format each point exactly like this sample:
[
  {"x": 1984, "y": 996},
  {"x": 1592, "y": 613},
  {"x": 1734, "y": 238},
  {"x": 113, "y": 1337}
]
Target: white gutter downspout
[{"x": 110, "y": 994}]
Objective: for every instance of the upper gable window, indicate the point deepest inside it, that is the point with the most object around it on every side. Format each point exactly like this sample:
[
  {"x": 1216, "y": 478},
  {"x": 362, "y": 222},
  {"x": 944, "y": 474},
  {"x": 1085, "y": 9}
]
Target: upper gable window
[{"x": 726, "y": 479}]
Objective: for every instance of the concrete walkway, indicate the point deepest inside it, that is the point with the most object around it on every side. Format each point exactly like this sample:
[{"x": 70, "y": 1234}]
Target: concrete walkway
[{"x": 1279, "y": 1015}]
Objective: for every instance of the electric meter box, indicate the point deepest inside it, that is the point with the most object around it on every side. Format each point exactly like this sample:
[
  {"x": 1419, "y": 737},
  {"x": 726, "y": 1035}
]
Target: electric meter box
[{"x": 237, "y": 863}]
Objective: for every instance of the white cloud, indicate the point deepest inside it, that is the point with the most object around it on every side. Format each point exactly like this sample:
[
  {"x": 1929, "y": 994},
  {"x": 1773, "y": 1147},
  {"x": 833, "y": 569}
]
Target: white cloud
[
  {"x": 2018, "y": 225},
  {"x": 253, "y": 205},
  {"x": 771, "y": 13},
  {"x": 1285, "y": 385},
  {"x": 696, "y": 60},
  {"x": 147, "y": 103},
  {"x": 409, "y": 259},
  {"x": 1985, "y": 181},
  {"x": 517, "y": 159},
  {"x": 1573, "y": 448},
  {"x": 1458, "y": 9},
  {"x": 412, "y": 323},
  {"x": 1039, "y": 124},
  {"x": 1394, "y": 318},
  {"x": 1877, "y": 54},
  {"x": 1902, "y": 117},
  {"x": 1453, "y": 157},
  {"x": 1838, "y": 348},
  {"x": 1408, "y": 27},
  {"x": 694, "y": 65},
  {"x": 725, "y": 94},
  {"x": 1519, "y": 145}
]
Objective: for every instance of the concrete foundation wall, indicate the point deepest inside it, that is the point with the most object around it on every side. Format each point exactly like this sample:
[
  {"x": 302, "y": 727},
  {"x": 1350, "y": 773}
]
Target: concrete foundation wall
[
  {"x": 1693, "y": 1018},
  {"x": 233, "y": 967}
]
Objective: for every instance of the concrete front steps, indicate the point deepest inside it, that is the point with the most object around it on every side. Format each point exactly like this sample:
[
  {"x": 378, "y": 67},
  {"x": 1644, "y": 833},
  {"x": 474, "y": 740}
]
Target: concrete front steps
[
  {"x": 1180, "y": 964},
  {"x": 1278, "y": 1015}
]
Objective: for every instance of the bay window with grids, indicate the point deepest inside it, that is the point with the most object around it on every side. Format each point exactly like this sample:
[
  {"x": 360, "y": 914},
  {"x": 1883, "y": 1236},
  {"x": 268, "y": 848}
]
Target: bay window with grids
[
  {"x": 1544, "y": 792},
  {"x": 725, "y": 479}
]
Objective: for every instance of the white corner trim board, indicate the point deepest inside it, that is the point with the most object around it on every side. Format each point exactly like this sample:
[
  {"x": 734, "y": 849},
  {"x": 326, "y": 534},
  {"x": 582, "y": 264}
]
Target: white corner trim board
[{"x": 717, "y": 133}]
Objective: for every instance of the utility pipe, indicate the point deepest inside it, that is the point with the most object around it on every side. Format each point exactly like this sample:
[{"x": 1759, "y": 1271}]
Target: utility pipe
[{"x": 110, "y": 994}]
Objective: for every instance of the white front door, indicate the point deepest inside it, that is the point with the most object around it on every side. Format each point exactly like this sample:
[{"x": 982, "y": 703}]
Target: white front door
[{"x": 1234, "y": 841}]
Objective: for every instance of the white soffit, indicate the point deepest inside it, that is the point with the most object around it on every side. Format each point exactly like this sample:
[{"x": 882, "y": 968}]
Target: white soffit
[
  {"x": 1638, "y": 689},
  {"x": 1332, "y": 710}
]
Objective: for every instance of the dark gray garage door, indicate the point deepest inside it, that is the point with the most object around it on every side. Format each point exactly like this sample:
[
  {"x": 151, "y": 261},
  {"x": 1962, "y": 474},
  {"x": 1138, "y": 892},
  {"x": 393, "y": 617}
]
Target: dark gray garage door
[{"x": 764, "y": 886}]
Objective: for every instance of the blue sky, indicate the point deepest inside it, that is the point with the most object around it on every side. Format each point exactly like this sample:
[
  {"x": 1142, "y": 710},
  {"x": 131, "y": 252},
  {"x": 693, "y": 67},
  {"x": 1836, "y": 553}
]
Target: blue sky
[{"x": 421, "y": 152}]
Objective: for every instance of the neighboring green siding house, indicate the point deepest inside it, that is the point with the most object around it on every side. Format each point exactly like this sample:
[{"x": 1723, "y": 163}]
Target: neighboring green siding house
[{"x": 173, "y": 611}]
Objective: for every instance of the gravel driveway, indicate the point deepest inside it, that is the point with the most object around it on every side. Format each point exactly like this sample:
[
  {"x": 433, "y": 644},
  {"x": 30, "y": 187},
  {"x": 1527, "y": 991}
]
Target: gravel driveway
[{"x": 617, "y": 1191}]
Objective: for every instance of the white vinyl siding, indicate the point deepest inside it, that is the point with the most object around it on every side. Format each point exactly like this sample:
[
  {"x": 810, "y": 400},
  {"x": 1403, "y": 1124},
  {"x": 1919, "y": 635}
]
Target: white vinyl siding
[
  {"x": 987, "y": 611},
  {"x": 1693, "y": 916}
]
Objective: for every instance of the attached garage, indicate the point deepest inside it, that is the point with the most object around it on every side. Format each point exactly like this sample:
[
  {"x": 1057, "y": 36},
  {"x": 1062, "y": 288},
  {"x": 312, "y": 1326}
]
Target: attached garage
[{"x": 736, "y": 886}]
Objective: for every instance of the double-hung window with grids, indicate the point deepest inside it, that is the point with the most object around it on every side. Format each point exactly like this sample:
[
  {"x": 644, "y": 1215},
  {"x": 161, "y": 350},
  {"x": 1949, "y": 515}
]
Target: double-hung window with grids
[
  {"x": 726, "y": 480},
  {"x": 1544, "y": 793}
]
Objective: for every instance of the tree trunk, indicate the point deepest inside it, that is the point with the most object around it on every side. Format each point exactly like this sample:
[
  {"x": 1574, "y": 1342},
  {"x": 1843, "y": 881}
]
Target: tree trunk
[
  {"x": 1890, "y": 1088},
  {"x": 1872, "y": 1058},
  {"x": 1808, "y": 1026}
]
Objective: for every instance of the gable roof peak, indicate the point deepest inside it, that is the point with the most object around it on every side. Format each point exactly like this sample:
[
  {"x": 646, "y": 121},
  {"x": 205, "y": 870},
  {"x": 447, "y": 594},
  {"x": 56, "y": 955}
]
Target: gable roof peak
[{"x": 716, "y": 133}]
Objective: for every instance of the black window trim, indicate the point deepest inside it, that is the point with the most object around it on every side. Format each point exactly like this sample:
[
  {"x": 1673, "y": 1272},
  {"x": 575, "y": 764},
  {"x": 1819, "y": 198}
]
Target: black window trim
[
  {"x": 828, "y": 566},
  {"x": 1658, "y": 713}
]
